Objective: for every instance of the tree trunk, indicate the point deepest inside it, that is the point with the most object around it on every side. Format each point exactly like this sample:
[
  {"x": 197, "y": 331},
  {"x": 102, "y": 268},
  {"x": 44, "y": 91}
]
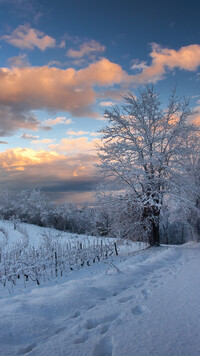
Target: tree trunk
[{"x": 154, "y": 238}]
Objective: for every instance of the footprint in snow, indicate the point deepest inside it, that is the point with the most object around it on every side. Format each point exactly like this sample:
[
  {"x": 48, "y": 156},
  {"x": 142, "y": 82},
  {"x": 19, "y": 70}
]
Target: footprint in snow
[
  {"x": 90, "y": 307},
  {"x": 93, "y": 323},
  {"x": 81, "y": 339},
  {"x": 59, "y": 330},
  {"x": 154, "y": 280},
  {"x": 76, "y": 314},
  {"x": 145, "y": 293},
  {"x": 103, "y": 348},
  {"x": 104, "y": 329},
  {"x": 125, "y": 299},
  {"x": 138, "y": 309},
  {"x": 27, "y": 349}
]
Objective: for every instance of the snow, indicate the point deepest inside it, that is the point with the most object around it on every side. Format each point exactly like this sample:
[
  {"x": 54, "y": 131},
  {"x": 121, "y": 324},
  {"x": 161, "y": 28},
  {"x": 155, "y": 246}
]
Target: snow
[{"x": 149, "y": 306}]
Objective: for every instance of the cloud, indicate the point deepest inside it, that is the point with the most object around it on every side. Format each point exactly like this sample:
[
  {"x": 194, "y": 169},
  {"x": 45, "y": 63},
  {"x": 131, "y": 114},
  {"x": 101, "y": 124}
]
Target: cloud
[
  {"x": 3, "y": 142},
  {"x": 19, "y": 61},
  {"x": 62, "y": 44},
  {"x": 18, "y": 158},
  {"x": 74, "y": 146},
  {"x": 26, "y": 37},
  {"x": 58, "y": 120},
  {"x": 137, "y": 65},
  {"x": 77, "y": 133},
  {"x": 106, "y": 103},
  {"x": 45, "y": 128},
  {"x": 82, "y": 133},
  {"x": 85, "y": 49},
  {"x": 76, "y": 91},
  {"x": 43, "y": 141},
  {"x": 164, "y": 59},
  {"x": 54, "y": 63},
  {"x": 16, "y": 117},
  {"x": 95, "y": 134},
  {"x": 52, "y": 172},
  {"x": 58, "y": 89},
  {"x": 115, "y": 94},
  {"x": 196, "y": 117},
  {"x": 27, "y": 136}
]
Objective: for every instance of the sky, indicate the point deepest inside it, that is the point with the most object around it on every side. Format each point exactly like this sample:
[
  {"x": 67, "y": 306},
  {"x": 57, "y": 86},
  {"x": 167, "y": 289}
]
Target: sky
[{"x": 63, "y": 62}]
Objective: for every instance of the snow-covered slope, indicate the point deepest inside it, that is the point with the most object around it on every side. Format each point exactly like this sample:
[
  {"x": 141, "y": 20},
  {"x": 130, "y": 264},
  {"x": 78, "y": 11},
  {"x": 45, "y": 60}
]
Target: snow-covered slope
[{"x": 149, "y": 307}]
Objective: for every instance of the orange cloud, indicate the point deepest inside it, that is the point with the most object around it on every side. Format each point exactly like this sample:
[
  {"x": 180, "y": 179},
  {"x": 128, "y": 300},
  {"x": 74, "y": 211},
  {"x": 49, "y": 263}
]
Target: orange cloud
[
  {"x": 55, "y": 88},
  {"x": 186, "y": 58},
  {"x": 73, "y": 146},
  {"x": 19, "y": 158},
  {"x": 26, "y": 37},
  {"x": 76, "y": 91},
  {"x": 55, "y": 173}
]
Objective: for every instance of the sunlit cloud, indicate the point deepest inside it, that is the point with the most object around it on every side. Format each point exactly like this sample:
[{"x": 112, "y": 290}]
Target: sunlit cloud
[
  {"x": 43, "y": 141},
  {"x": 53, "y": 172},
  {"x": 76, "y": 91},
  {"x": 77, "y": 133},
  {"x": 106, "y": 103},
  {"x": 95, "y": 134},
  {"x": 164, "y": 59},
  {"x": 58, "y": 89},
  {"x": 73, "y": 146},
  {"x": 85, "y": 49},
  {"x": 58, "y": 120},
  {"x": 18, "y": 158},
  {"x": 26, "y": 37}
]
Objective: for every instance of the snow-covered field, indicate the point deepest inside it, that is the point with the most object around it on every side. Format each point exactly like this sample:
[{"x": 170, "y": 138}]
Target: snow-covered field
[{"x": 148, "y": 305}]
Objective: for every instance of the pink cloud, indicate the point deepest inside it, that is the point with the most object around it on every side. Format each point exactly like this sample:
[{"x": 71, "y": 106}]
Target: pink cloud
[
  {"x": 58, "y": 89},
  {"x": 26, "y": 37},
  {"x": 85, "y": 49},
  {"x": 163, "y": 59}
]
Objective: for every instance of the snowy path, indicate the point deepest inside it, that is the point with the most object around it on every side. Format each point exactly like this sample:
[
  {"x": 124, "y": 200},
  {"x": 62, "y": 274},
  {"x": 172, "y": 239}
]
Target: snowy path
[{"x": 151, "y": 308}]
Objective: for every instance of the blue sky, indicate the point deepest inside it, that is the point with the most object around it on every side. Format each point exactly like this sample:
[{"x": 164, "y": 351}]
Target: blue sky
[{"x": 63, "y": 62}]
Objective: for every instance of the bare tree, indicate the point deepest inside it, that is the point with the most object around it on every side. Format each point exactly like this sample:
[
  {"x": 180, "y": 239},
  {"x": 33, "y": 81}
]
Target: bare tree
[{"x": 145, "y": 149}]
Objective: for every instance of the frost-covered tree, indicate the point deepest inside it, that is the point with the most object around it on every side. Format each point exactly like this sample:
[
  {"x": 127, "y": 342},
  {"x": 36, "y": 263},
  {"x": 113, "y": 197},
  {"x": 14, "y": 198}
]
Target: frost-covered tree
[{"x": 145, "y": 150}]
